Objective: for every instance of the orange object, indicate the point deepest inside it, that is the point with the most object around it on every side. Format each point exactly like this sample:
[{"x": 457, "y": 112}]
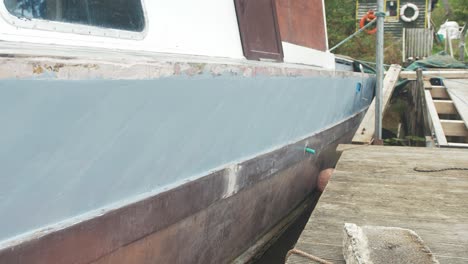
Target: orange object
[
  {"x": 366, "y": 19},
  {"x": 323, "y": 178}
]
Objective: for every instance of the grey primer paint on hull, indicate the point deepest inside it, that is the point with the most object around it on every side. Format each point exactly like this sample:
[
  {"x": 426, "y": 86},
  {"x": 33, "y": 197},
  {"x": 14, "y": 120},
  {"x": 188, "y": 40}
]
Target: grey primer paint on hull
[
  {"x": 195, "y": 222},
  {"x": 71, "y": 147}
]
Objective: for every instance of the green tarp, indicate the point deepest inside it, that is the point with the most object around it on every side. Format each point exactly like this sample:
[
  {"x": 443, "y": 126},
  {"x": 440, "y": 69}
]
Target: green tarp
[{"x": 440, "y": 60}]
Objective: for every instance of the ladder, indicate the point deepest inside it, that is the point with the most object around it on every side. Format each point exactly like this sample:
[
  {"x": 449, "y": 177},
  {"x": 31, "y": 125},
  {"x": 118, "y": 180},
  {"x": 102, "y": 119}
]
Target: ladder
[{"x": 448, "y": 112}]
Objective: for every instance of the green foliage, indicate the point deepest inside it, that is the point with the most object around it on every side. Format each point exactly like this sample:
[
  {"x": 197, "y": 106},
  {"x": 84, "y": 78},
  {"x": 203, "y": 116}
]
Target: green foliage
[
  {"x": 341, "y": 22},
  {"x": 459, "y": 12},
  {"x": 340, "y": 19},
  {"x": 440, "y": 46}
]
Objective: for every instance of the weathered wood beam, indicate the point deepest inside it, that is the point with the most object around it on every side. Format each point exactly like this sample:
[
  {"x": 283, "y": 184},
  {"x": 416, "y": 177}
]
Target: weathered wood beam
[
  {"x": 435, "y": 121},
  {"x": 423, "y": 105},
  {"x": 458, "y": 145},
  {"x": 454, "y": 128},
  {"x": 378, "y": 185},
  {"x": 459, "y": 74},
  {"x": 439, "y": 92},
  {"x": 427, "y": 84},
  {"x": 458, "y": 91},
  {"x": 445, "y": 107},
  {"x": 365, "y": 132}
]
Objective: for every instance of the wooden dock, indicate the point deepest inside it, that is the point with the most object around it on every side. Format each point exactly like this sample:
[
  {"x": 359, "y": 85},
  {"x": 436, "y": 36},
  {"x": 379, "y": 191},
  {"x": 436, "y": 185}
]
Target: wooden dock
[
  {"x": 378, "y": 185},
  {"x": 445, "y": 107},
  {"x": 443, "y": 103}
]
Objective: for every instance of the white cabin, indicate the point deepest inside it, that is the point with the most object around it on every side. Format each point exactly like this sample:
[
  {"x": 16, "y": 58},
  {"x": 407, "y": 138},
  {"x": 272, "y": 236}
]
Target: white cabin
[{"x": 205, "y": 28}]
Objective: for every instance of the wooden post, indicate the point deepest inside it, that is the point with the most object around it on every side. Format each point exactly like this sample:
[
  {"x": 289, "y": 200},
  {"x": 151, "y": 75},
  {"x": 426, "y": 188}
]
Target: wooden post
[
  {"x": 449, "y": 41},
  {"x": 446, "y": 41},
  {"x": 462, "y": 44},
  {"x": 423, "y": 107},
  {"x": 366, "y": 131},
  {"x": 403, "y": 51}
]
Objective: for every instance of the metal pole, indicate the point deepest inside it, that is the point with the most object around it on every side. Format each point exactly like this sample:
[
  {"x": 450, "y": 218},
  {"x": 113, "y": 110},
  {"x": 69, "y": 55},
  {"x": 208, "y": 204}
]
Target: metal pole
[{"x": 380, "y": 71}]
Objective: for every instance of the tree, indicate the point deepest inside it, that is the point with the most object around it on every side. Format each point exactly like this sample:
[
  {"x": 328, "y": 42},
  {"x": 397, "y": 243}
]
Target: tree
[
  {"x": 460, "y": 11},
  {"x": 456, "y": 10},
  {"x": 341, "y": 22},
  {"x": 448, "y": 10}
]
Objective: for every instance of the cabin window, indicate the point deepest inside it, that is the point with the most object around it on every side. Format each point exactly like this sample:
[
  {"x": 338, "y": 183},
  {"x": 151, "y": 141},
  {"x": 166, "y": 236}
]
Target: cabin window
[
  {"x": 125, "y": 15},
  {"x": 392, "y": 10}
]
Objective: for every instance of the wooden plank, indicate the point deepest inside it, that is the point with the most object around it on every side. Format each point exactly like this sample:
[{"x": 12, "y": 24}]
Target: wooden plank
[
  {"x": 445, "y": 106},
  {"x": 365, "y": 132},
  {"x": 458, "y": 91},
  {"x": 458, "y": 145},
  {"x": 450, "y": 44},
  {"x": 422, "y": 107},
  {"x": 391, "y": 193},
  {"x": 445, "y": 259},
  {"x": 403, "y": 50},
  {"x": 435, "y": 121},
  {"x": 427, "y": 84},
  {"x": 455, "y": 128},
  {"x": 439, "y": 92},
  {"x": 459, "y": 74}
]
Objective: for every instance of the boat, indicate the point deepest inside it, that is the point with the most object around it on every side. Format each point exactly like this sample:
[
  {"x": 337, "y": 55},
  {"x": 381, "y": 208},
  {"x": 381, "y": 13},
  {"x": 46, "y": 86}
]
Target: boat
[{"x": 148, "y": 131}]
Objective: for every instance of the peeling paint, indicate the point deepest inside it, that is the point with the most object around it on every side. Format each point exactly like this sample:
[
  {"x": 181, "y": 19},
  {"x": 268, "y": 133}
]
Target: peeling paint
[
  {"x": 37, "y": 69},
  {"x": 75, "y": 69},
  {"x": 231, "y": 180}
]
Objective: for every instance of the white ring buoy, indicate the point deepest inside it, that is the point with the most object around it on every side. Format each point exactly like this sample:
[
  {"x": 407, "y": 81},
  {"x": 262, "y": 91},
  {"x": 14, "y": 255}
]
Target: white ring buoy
[{"x": 415, "y": 15}]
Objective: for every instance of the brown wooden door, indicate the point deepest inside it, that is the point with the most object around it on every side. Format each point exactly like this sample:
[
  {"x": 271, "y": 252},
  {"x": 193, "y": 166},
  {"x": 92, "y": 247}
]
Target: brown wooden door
[{"x": 259, "y": 29}]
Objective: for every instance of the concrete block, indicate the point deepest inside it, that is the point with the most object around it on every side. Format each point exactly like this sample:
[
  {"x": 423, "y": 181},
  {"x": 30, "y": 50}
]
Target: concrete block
[{"x": 378, "y": 244}]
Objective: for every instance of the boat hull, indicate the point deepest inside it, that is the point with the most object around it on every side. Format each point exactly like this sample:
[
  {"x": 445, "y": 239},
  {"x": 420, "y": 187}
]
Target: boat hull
[
  {"x": 196, "y": 222},
  {"x": 193, "y": 166}
]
